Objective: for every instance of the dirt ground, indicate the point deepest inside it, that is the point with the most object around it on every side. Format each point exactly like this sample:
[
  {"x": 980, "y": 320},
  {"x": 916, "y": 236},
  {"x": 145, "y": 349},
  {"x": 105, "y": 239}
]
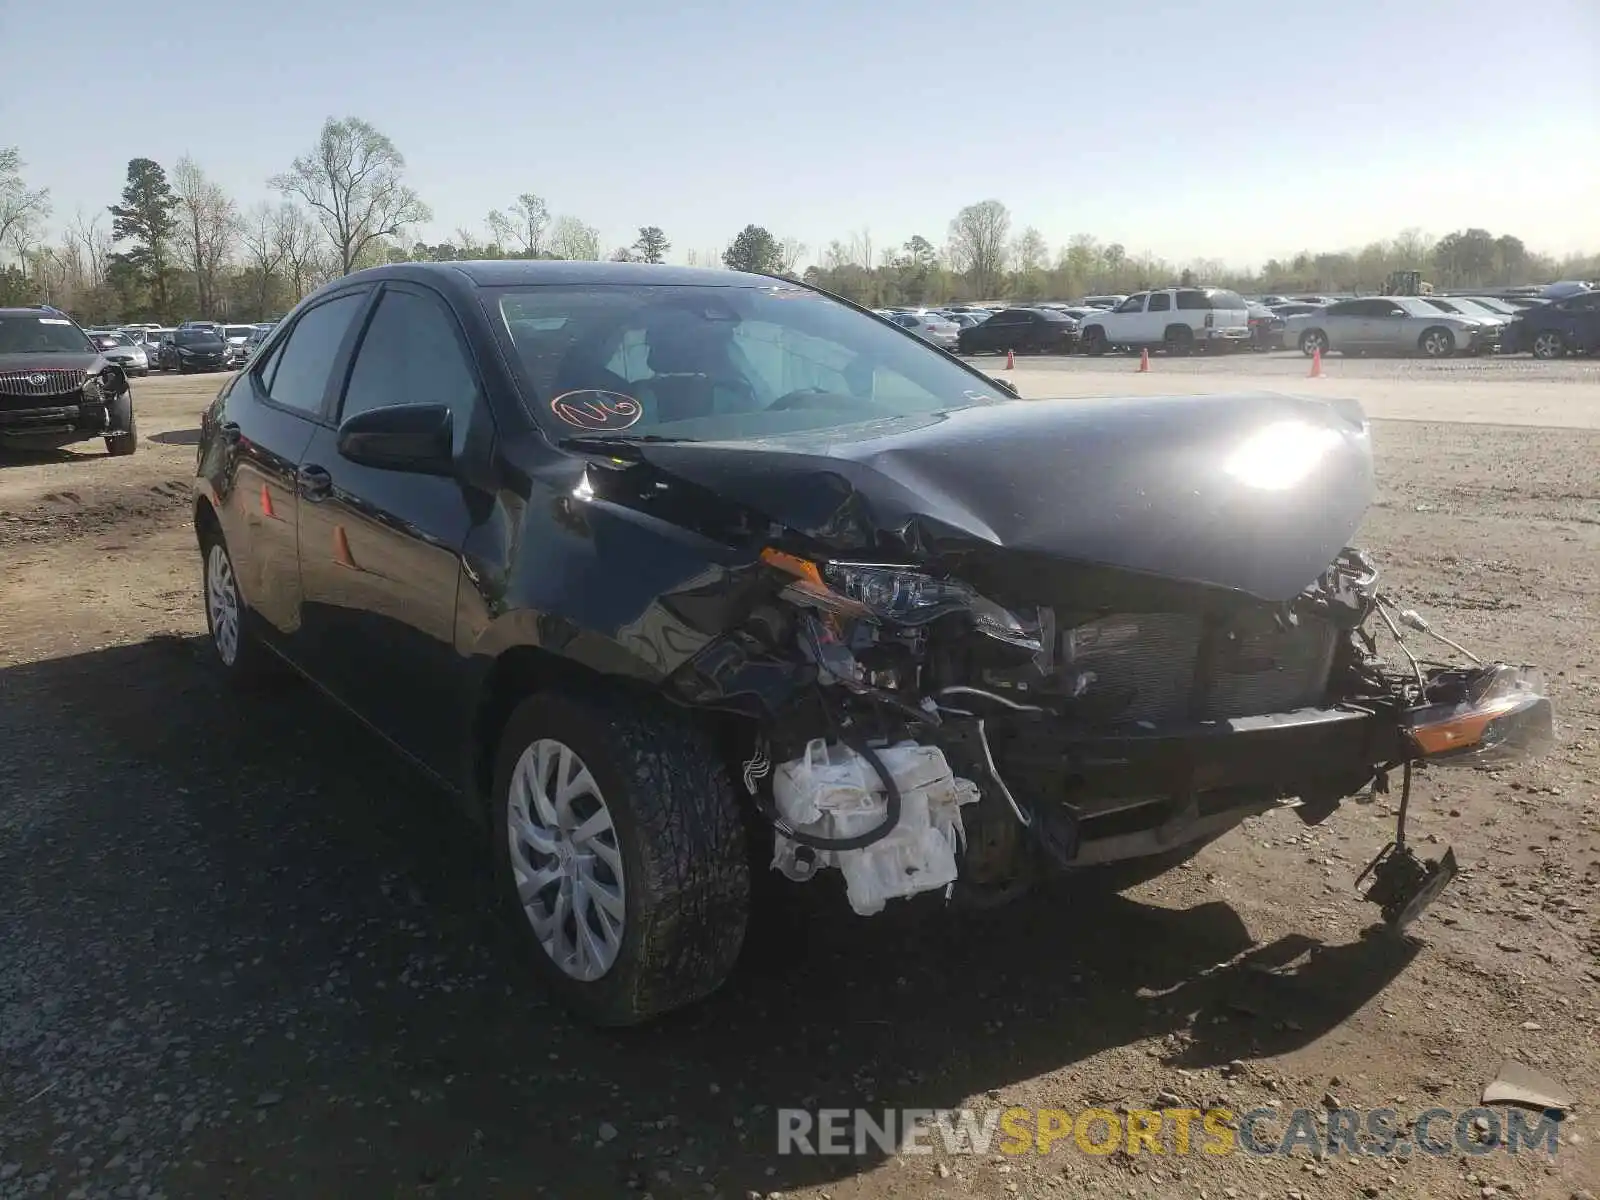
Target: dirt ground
[{"x": 243, "y": 952}]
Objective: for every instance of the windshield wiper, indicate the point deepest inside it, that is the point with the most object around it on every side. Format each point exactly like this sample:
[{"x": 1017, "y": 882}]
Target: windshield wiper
[{"x": 608, "y": 441}]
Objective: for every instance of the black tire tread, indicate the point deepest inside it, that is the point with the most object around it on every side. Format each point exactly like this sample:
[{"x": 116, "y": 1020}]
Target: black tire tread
[{"x": 688, "y": 878}]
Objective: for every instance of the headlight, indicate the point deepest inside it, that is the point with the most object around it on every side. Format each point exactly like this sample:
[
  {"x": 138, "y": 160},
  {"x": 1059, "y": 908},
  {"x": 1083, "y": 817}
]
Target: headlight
[{"x": 898, "y": 595}]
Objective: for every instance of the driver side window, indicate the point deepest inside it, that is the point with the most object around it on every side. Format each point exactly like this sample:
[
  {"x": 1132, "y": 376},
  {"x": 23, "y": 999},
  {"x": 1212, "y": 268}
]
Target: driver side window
[
  {"x": 779, "y": 361},
  {"x": 1132, "y": 304}
]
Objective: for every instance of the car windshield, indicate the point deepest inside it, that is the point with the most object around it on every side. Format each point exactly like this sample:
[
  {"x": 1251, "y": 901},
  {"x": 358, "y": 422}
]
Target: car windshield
[
  {"x": 42, "y": 335},
  {"x": 1495, "y": 306},
  {"x": 240, "y": 331},
  {"x": 113, "y": 339},
  {"x": 195, "y": 337},
  {"x": 703, "y": 363}
]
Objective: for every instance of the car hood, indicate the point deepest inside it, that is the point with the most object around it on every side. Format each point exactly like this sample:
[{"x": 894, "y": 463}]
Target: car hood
[
  {"x": 48, "y": 362},
  {"x": 1255, "y": 493}
]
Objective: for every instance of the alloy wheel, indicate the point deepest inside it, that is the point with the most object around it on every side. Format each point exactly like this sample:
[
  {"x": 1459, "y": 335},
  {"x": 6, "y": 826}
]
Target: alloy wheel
[
  {"x": 222, "y": 603},
  {"x": 566, "y": 860}
]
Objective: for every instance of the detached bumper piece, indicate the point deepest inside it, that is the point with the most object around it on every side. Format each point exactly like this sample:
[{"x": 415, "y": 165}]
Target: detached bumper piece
[
  {"x": 1403, "y": 885},
  {"x": 1481, "y": 716}
]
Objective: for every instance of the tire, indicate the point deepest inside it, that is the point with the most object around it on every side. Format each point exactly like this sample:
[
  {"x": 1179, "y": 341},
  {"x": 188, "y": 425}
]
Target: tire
[
  {"x": 1313, "y": 340},
  {"x": 1179, "y": 340},
  {"x": 1094, "y": 341},
  {"x": 125, "y": 442},
  {"x": 1437, "y": 342},
  {"x": 669, "y": 853},
  {"x": 242, "y": 658},
  {"x": 1549, "y": 344}
]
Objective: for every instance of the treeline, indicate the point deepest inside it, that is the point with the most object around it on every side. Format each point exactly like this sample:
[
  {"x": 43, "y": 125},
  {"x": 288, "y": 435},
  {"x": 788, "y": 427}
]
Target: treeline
[
  {"x": 984, "y": 258},
  {"x": 176, "y": 245}
]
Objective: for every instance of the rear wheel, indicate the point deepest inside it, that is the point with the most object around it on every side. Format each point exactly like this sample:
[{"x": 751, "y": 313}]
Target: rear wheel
[
  {"x": 1549, "y": 344},
  {"x": 1313, "y": 341},
  {"x": 619, "y": 854},
  {"x": 1437, "y": 342},
  {"x": 1179, "y": 340},
  {"x": 243, "y": 659}
]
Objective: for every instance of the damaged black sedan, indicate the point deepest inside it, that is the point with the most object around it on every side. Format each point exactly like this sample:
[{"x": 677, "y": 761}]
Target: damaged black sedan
[{"x": 672, "y": 574}]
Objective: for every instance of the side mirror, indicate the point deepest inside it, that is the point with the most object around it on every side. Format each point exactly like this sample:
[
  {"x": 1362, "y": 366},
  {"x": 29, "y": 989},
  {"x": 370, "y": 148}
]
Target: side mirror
[
  {"x": 407, "y": 437},
  {"x": 1005, "y": 385}
]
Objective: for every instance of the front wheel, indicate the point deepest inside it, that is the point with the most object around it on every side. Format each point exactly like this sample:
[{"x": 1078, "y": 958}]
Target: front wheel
[
  {"x": 619, "y": 855},
  {"x": 125, "y": 439},
  {"x": 1094, "y": 341},
  {"x": 1437, "y": 343}
]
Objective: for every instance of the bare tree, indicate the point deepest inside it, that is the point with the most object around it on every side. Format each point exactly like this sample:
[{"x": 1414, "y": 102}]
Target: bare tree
[
  {"x": 86, "y": 237},
  {"x": 266, "y": 242},
  {"x": 353, "y": 182},
  {"x": 524, "y": 228},
  {"x": 793, "y": 251},
  {"x": 21, "y": 208},
  {"x": 978, "y": 244},
  {"x": 302, "y": 250},
  {"x": 571, "y": 238},
  {"x": 208, "y": 225},
  {"x": 861, "y": 248}
]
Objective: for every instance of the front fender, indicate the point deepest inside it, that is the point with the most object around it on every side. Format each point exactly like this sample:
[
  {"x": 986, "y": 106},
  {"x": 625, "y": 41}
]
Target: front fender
[{"x": 616, "y": 590}]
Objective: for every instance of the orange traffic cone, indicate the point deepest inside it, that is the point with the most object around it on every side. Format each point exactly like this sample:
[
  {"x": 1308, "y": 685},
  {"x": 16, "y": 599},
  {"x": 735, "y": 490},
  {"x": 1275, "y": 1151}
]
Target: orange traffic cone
[
  {"x": 1316, "y": 363},
  {"x": 341, "y": 548},
  {"x": 1011, "y": 360},
  {"x": 266, "y": 504},
  {"x": 1144, "y": 360}
]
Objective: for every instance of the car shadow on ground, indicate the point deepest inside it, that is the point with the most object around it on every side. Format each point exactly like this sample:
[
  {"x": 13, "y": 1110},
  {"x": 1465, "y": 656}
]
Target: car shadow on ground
[
  {"x": 24, "y": 457},
  {"x": 310, "y": 915},
  {"x": 176, "y": 437}
]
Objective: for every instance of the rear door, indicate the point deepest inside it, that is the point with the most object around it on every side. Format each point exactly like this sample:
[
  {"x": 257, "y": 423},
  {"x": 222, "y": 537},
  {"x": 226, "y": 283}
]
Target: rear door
[
  {"x": 1158, "y": 315},
  {"x": 380, "y": 550},
  {"x": 1342, "y": 323},
  {"x": 267, "y": 418},
  {"x": 1579, "y": 321}
]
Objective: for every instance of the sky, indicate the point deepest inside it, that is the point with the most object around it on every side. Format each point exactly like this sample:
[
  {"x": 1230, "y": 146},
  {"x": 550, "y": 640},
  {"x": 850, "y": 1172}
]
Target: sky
[{"x": 1235, "y": 131}]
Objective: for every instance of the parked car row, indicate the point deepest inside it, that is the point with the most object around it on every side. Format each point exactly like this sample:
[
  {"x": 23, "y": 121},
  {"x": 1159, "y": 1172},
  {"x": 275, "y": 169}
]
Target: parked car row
[
  {"x": 186, "y": 348},
  {"x": 1439, "y": 326}
]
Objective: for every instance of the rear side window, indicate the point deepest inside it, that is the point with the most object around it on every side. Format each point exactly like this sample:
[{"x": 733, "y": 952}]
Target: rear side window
[
  {"x": 1189, "y": 300},
  {"x": 299, "y": 372},
  {"x": 1226, "y": 299},
  {"x": 1160, "y": 302}
]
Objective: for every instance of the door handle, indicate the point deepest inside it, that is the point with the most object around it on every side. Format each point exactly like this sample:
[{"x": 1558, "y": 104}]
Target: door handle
[{"x": 313, "y": 482}]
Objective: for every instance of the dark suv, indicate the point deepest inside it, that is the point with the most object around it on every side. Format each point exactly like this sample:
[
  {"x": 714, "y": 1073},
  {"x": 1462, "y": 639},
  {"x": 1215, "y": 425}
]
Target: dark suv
[
  {"x": 56, "y": 387},
  {"x": 1562, "y": 327},
  {"x": 673, "y": 575}
]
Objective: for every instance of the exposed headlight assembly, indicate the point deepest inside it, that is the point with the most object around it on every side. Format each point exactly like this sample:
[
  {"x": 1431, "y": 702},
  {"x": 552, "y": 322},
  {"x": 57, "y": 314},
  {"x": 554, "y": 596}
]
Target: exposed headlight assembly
[{"x": 893, "y": 594}]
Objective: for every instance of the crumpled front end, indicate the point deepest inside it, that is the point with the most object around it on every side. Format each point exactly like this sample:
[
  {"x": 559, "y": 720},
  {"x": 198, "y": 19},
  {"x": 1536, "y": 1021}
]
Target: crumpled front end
[{"x": 1079, "y": 737}]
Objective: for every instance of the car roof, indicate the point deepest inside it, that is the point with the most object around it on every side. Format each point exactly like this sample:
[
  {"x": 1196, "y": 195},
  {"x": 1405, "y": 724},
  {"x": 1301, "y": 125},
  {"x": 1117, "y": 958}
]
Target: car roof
[{"x": 548, "y": 272}]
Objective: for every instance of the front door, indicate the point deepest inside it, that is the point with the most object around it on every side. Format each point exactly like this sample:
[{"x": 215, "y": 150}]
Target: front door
[{"x": 380, "y": 550}]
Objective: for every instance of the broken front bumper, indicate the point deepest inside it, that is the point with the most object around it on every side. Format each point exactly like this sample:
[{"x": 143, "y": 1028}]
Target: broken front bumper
[{"x": 1103, "y": 797}]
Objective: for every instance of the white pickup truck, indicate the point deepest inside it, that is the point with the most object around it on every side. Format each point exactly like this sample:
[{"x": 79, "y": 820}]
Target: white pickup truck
[{"x": 1175, "y": 319}]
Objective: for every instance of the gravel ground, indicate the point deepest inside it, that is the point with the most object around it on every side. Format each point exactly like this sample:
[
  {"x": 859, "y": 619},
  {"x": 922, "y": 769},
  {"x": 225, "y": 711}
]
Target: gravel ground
[{"x": 244, "y": 952}]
